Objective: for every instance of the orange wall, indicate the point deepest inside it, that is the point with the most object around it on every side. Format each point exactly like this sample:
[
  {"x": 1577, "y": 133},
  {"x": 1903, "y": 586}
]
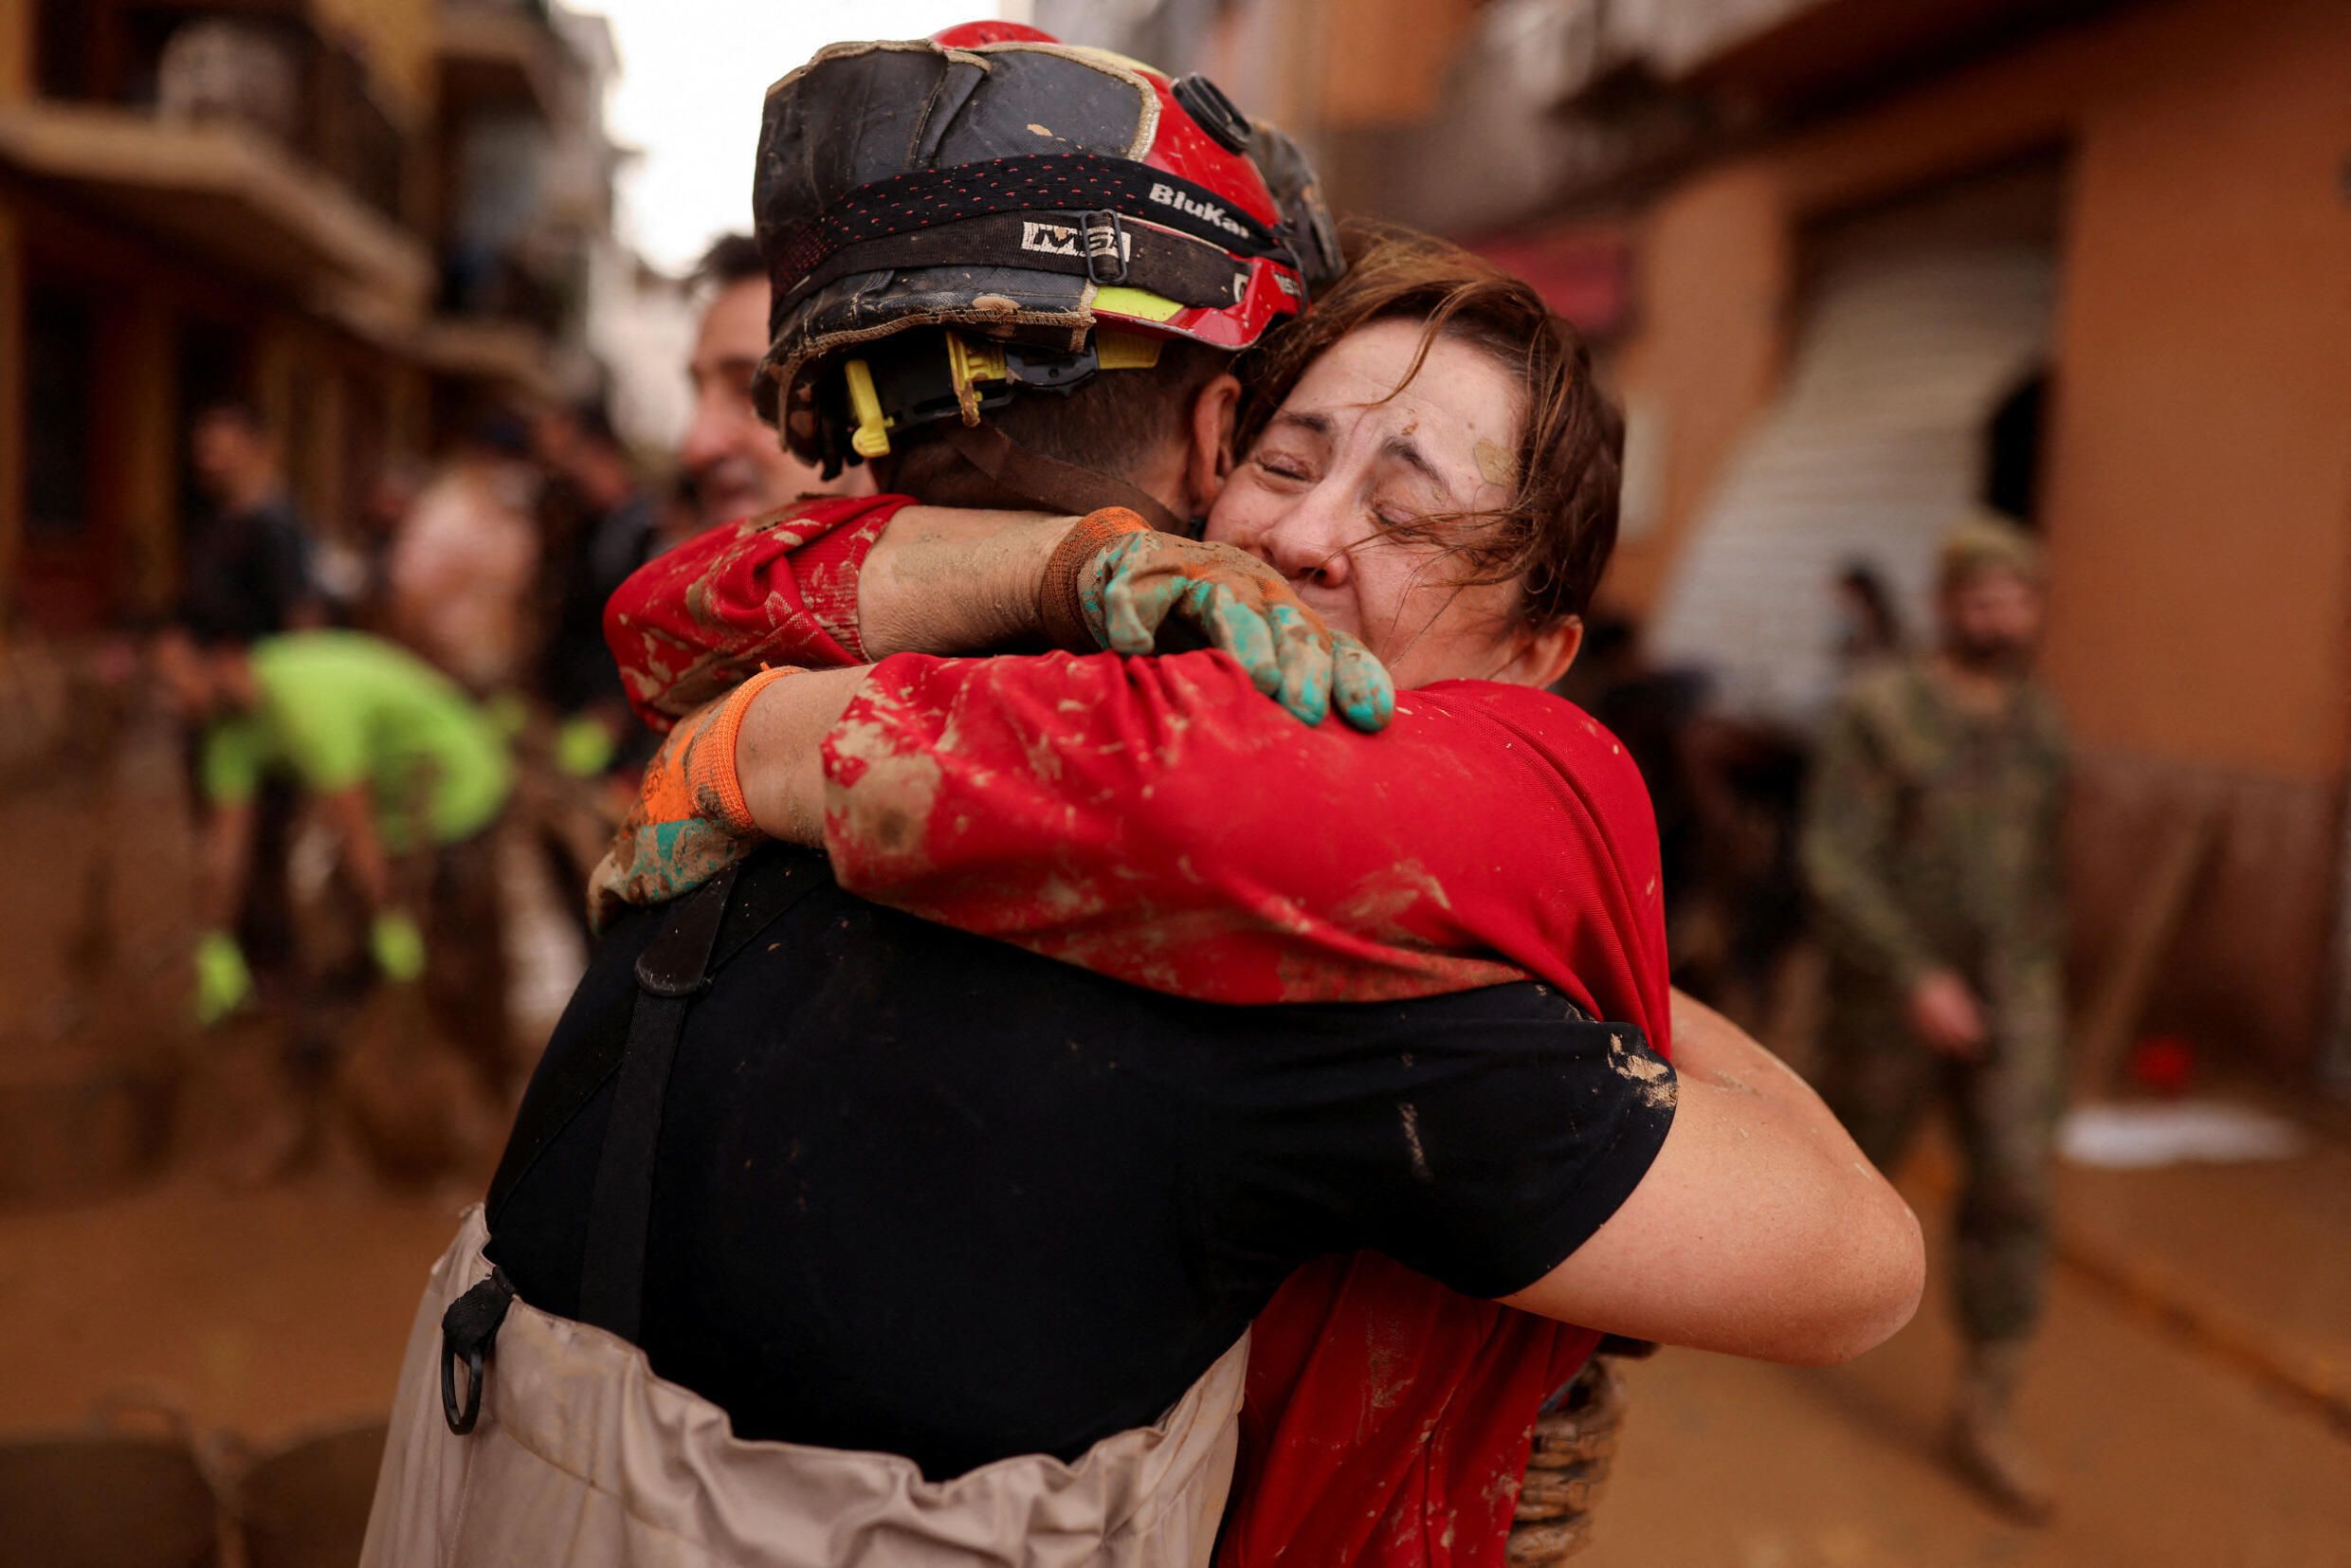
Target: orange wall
[
  {"x": 1383, "y": 62},
  {"x": 396, "y": 37},
  {"x": 2198, "y": 498},
  {"x": 1715, "y": 260},
  {"x": 11, "y": 406},
  {"x": 16, "y": 52}
]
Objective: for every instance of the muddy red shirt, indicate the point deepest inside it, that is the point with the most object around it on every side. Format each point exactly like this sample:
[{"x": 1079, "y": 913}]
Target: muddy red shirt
[{"x": 1159, "y": 821}]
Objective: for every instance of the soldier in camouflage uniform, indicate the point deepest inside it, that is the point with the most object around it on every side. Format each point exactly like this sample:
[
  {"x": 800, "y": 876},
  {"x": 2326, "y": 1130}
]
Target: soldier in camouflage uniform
[{"x": 1930, "y": 844}]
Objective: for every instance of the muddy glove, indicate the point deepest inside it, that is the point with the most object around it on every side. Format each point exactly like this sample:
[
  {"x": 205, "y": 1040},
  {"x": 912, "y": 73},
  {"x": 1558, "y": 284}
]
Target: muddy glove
[
  {"x": 224, "y": 983},
  {"x": 689, "y": 822},
  {"x": 397, "y": 946},
  {"x": 1116, "y": 584}
]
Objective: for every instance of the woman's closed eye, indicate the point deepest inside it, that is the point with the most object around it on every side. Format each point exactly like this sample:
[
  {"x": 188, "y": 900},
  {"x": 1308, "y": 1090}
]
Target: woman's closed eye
[{"x": 1282, "y": 466}]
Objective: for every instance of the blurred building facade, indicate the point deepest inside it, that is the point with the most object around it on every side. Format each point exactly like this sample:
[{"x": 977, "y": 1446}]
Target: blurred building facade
[
  {"x": 365, "y": 216},
  {"x": 1853, "y": 267}
]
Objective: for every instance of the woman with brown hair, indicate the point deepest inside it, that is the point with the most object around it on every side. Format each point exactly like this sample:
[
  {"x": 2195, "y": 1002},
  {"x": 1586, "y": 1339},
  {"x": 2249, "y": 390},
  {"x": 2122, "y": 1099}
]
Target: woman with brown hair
[{"x": 1426, "y": 465}]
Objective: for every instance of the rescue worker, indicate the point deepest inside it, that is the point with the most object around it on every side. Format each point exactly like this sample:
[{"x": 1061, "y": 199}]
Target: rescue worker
[
  {"x": 250, "y": 575},
  {"x": 408, "y": 773},
  {"x": 248, "y": 565},
  {"x": 1931, "y": 847},
  {"x": 949, "y": 1232}
]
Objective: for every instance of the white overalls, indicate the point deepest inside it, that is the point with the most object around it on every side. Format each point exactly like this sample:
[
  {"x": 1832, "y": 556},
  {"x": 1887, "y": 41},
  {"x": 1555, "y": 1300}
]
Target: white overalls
[
  {"x": 520, "y": 1439},
  {"x": 582, "y": 1455}
]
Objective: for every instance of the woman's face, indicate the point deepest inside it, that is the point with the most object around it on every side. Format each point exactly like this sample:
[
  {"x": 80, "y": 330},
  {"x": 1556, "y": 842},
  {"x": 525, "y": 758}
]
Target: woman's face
[{"x": 1342, "y": 464}]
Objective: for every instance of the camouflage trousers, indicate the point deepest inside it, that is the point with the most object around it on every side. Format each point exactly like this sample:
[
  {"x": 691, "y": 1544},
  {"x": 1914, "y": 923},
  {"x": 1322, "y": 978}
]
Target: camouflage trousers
[{"x": 1882, "y": 1080}]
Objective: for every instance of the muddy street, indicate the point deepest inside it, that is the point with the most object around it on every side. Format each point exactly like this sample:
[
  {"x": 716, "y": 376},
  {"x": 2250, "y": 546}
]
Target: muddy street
[
  {"x": 2164, "y": 1453},
  {"x": 2198, "y": 1311},
  {"x": 269, "y": 1314}
]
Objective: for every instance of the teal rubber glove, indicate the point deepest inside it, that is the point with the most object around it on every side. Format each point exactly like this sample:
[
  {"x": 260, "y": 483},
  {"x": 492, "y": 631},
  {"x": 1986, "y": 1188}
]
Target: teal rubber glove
[
  {"x": 1139, "y": 583},
  {"x": 224, "y": 983},
  {"x": 397, "y": 946},
  {"x": 584, "y": 748}
]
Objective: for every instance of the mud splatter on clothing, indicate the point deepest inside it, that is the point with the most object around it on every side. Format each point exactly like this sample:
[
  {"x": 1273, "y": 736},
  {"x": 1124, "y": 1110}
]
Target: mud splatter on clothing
[{"x": 1193, "y": 838}]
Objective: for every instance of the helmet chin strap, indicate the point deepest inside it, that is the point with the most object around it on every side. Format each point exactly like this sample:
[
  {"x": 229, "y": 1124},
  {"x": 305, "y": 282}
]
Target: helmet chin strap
[{"x": 1053, "y": 484}]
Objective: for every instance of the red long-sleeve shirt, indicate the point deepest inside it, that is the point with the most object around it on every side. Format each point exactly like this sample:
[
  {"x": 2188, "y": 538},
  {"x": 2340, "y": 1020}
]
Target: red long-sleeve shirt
[{"x": 1162, "y": 822}]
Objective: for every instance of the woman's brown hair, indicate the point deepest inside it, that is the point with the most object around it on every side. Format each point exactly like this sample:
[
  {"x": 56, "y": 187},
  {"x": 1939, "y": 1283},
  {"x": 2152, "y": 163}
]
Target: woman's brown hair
[{"x": 1559, "y": 528}]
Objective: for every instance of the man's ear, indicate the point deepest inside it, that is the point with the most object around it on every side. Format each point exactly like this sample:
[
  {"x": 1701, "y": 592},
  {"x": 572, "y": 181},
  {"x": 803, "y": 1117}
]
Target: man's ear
[
  {"x": 1544, "y": 656},
  {"x": 1208, "y": 461}
]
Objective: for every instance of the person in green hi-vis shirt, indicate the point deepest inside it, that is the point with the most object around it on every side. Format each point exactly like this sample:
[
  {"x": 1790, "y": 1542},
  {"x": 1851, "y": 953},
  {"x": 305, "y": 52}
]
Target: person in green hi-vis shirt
[{"x": 401, "y": 765}]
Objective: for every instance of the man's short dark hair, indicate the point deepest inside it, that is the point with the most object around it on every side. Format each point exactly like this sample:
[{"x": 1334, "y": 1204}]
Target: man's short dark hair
[
  {"x": 593, "y": 419},
  {"x": 732, "y": 259},
  {"x": 1108, "y": 426},
  {"x": 501, "y": 431}
]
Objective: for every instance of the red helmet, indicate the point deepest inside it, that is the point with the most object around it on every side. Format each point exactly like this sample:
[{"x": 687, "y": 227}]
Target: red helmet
[{"x": 1058, "y": 210}]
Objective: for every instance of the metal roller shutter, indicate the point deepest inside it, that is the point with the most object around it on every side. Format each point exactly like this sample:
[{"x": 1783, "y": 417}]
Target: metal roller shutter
[{"x": 1877, "y": 440}]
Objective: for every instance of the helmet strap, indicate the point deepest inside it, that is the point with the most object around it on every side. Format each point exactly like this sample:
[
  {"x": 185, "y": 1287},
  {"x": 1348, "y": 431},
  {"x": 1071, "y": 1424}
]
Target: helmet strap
[{"x": 1053, "y": 484}]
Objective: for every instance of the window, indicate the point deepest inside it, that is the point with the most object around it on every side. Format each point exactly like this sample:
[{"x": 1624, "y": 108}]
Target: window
[{"x": 60, "y": 329}]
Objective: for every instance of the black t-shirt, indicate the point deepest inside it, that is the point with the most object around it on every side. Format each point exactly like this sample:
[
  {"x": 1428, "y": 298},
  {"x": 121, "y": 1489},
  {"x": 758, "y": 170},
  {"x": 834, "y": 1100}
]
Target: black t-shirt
[
  {"x": 578, "y": 668},
  {"x": 248, "y": 572},
  {"x": 922, "y": 1192}
]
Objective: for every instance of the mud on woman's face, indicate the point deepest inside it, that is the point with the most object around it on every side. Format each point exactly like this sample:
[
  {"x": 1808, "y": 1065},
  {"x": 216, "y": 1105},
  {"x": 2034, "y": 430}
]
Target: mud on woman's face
[{"x": 1343, "y": 465}]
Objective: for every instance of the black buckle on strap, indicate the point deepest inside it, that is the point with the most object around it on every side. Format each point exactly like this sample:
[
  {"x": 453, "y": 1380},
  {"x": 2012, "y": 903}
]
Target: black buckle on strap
[
  {"x": 1103, "y": 238},
  {"x": 468, "y": 1333}
]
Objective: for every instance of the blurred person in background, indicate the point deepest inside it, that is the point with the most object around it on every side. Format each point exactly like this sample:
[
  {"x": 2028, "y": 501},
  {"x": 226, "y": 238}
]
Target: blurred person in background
[
  {"x": 354, "y": 564},
  {"x": 462, "y": 562},
  {"x": 1741, "y": 907},
  {"x": 736, "y": 463},
  {"x": 680, "y": 513},
  {"x": 1930, "y": 845},
  {"x": 408, "y": 773},
  {"x": 249, "y": 562},
  {"x": 248, "y": 575},
  {"x": 1869, "y": 627},
  {"x": 612, "y": 526}
]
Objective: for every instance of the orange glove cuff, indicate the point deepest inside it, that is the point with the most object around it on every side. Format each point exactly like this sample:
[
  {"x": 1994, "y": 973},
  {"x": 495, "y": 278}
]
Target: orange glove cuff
[
  {"x": 1059, "y": 608},
  {"x": 711, "y": 777}
]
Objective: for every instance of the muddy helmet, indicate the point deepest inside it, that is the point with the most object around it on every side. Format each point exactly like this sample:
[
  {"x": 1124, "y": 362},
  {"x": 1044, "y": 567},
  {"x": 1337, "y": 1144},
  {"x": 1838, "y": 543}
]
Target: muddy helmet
[{"x": 955, "y": 221}]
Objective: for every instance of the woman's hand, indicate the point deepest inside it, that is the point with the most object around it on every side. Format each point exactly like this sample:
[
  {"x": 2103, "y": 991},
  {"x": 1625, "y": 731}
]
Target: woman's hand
[
  {"x": 948, "y": 580},
  {"x": 224, "y": 983},
  {"x": 1134, "y": 591},
  {"x": 1945, "y": 1014},
  {"x": 1761, "y": 1230}
]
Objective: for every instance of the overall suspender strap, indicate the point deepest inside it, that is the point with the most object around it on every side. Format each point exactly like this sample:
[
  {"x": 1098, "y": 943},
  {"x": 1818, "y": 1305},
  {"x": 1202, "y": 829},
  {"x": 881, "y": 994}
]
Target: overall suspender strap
[
  {"x": 671, "y": 971},
  {"x": 771, "y": 884}
]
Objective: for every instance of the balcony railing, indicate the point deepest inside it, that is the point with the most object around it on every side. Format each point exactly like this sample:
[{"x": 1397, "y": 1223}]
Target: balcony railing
[{"x": 262, "y": 64}]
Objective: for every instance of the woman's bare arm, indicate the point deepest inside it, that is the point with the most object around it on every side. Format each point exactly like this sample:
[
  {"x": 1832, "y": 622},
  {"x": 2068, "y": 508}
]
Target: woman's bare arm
[{"x": 1760, "y": 1231}]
